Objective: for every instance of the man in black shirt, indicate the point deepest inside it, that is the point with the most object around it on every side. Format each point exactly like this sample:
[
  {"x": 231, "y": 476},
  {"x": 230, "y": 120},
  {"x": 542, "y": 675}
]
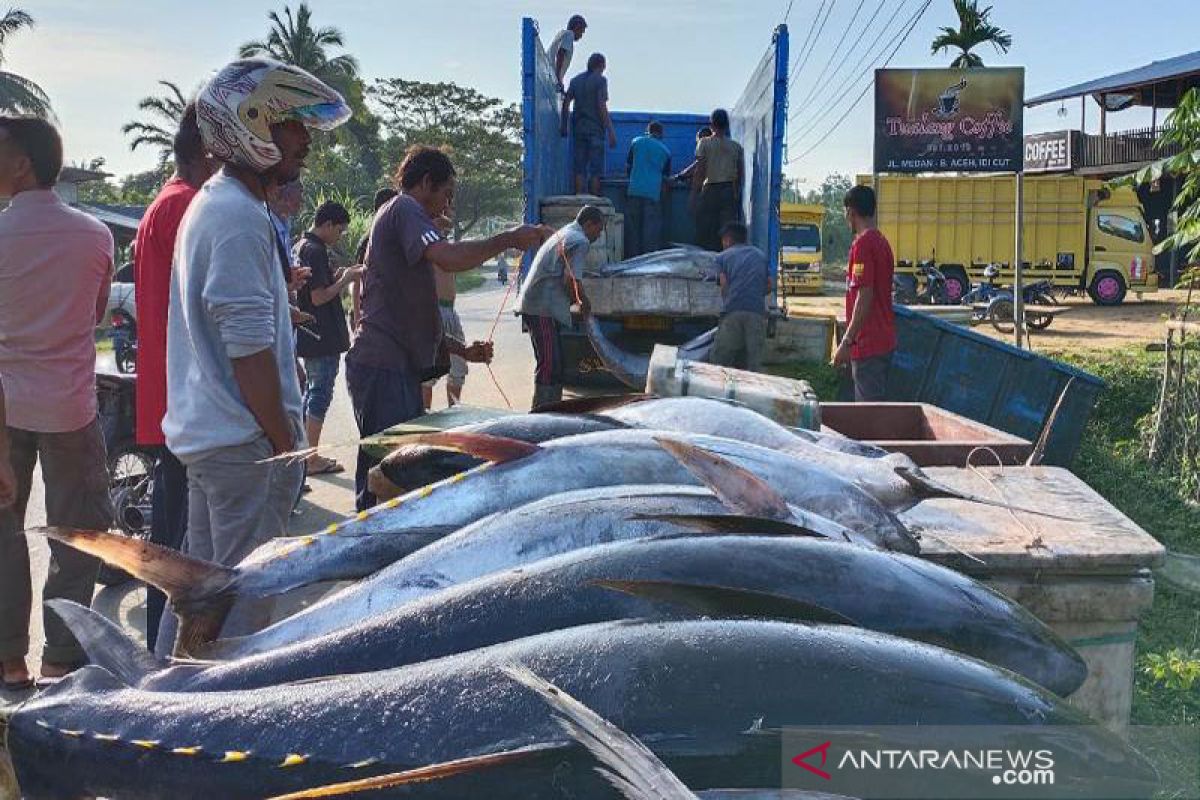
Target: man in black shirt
[{"x": 322, "y": 297}]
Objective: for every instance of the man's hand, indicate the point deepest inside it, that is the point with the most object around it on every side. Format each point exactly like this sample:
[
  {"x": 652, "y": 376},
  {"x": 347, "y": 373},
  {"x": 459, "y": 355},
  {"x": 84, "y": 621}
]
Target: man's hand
[
  {"x": 355, "y": 273},
  {"x": 300, "y": 317},
  {"x": 479, "y": 352},
  {"x": 841, "y": 357},
  {"x": 300, "y": 276},
  {"x": 8, "y": 483},
  {"x": 527, "y": 237}
]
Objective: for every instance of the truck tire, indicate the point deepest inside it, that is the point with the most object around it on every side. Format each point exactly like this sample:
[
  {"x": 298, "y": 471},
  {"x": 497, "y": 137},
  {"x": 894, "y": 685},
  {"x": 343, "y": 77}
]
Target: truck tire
[
  {"x": 957, "y": 284},
  {"x": 1107, "y": 288}
]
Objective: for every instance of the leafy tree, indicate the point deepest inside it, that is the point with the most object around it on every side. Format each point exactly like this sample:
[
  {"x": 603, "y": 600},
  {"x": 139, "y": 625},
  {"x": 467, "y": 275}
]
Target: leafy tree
[
  {"x": 135, "y": 189},
  {"x": 835, "y": 231},
  {"x": 483, "y": 133},
  {"x": 296, "y": 42},
  {"x": 974, "y": 28},
  {"x": 168, "y": 108},
  {"x": 19, "y": 95}
]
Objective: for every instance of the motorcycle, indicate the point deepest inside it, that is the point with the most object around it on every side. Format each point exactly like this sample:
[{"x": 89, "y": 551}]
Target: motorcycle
[
  {"x": 124, "y": 338},
  {"x": 130, "y": 466},
  {"x": 994, "y": 304},
  {"x": 927, "y": 287}
]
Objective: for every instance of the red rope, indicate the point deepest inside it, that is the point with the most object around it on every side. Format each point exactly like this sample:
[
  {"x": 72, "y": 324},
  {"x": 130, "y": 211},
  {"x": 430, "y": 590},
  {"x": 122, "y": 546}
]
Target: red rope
[{"x": 492, "y": 336}]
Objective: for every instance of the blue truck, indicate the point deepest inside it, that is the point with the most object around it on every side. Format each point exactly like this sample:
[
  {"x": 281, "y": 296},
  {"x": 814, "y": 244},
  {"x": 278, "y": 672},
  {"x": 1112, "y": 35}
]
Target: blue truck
[{"x": 758, "y": 122}]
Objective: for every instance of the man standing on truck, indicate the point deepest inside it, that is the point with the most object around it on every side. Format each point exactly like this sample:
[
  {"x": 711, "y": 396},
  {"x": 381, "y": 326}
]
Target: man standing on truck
[
  {"x": 717, "y": 182},
  {"x": 562, "y": 47},
  {"x": 745, "y": 279},
  {"x": 649, "y": 165},
  {"x": 870, "y": 335},
  {"x": 544, "y": 302},
  {"x": 590, "y": 123}
]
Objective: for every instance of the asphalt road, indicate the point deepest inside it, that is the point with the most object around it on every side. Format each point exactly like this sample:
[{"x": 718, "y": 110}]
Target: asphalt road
[{"x": 333, "y": 495}]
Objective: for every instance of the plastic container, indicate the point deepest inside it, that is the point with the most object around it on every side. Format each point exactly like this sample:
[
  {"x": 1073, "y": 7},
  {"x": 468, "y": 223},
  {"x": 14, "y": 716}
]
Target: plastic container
[{"x": 788, "y": 402}]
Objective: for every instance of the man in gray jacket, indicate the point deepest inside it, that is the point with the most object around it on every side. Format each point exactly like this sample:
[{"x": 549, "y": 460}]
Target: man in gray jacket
[{"x": 233, "y": 395}]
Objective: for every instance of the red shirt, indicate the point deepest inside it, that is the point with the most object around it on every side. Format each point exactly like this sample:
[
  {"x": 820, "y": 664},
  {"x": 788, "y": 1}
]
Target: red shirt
[
  {"x": 153, "y": 252},
  {"x": 872, "y": 264}
]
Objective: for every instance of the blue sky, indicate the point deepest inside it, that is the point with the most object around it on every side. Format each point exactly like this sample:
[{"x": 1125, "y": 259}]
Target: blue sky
[{"x": 96, "y": 58}]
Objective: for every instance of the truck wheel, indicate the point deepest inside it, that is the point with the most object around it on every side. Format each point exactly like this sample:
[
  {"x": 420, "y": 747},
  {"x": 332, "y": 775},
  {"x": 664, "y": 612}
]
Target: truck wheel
[
  {"x": 957, "y": 284},
  {"x": 1108, "y": 288}
]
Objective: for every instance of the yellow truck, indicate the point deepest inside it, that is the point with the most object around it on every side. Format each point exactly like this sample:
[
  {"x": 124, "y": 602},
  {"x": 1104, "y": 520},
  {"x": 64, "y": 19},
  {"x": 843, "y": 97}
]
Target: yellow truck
[
  {"x": 800, "y": 248},
  {"x": 1078, "y": 233}
]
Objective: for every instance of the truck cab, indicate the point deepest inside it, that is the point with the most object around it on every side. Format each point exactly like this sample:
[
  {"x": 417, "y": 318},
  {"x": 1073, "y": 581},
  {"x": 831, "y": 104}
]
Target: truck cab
[
  {"x": 1120, "y": 248},
  {"x": 800, "y": 248}
]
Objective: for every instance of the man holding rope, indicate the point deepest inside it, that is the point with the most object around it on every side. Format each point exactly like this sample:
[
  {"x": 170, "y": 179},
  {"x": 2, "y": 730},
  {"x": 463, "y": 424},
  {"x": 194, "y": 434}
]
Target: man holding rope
[
  {"x": 546, "y": 296},
  {"x": 400, "y": 340}
]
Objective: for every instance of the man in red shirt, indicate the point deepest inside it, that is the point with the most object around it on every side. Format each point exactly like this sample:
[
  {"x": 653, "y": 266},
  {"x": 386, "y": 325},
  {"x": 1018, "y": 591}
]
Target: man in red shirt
[
  {"x": 153, "y": 251},
  {"x": 871, "y": 325}
]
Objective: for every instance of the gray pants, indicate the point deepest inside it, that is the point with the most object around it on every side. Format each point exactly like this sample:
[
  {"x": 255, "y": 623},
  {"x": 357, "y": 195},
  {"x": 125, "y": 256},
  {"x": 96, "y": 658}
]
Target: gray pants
[
  {"x": 740, "y": 340},
  {"x": 75, "y": 474},
  {"x": 870, "y": 378},
  {"x": 235, "y": 504}
]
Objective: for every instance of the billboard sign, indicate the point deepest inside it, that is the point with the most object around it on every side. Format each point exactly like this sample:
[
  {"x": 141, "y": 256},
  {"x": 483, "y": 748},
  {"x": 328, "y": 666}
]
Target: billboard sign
[
  {"x": 1050, "y": 152},
  {"x": 949, "y": 120}
]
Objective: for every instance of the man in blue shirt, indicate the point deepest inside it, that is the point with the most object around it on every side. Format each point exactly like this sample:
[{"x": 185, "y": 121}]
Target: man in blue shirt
[
  {"x": 649, "y": 166},
  {"x": 590, "y": 122},
  {"x": 745, "y": 280}
]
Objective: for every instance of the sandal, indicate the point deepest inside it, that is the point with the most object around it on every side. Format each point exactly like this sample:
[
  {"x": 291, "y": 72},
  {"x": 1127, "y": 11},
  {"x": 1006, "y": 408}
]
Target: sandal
[
  {"x": 18, "y": 685},
  {"x": 325, "y": 466}
]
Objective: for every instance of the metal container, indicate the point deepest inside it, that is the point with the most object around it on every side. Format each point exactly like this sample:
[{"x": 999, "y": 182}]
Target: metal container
[
  {"x": 1087, "y": 575},
  {"x": 929, "y": 435},
  {"x": 788, "y": 402}
]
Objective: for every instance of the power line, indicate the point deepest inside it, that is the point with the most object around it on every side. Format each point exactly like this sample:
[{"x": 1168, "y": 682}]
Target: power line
[
  {"x": 841, "y": 119},
  {"x": 817, "y": 85},
  {"x": 853, "y": 76},
  {"x": 788, "y": 13},
  {"x": 800, "y": 51},
  {"x": 811, "y": 49}
]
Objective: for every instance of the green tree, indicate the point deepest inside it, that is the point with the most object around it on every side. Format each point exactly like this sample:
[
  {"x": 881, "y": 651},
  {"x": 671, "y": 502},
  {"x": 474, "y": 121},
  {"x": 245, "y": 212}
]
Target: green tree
[
  {"x": 483, "y": 133},
  {"x": 974, "y": 28},
  {"x": 835, "y": 231},
  {"x": 1182, "y": 132},
  {"x": 19, "y": 95},
  {"x": 348, "y": 158},
  {"x": 169, "y": 108}
]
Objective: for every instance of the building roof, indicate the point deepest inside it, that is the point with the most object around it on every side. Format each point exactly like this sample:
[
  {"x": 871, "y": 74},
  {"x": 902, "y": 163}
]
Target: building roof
[
  {"x": 125, "y": 218},
  {"x": 78, "y": 175},
  {"x": 1160, "y": 83}
]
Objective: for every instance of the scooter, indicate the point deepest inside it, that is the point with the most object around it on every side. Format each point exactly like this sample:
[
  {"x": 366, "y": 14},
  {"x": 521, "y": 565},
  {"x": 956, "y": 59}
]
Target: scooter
[
  {"x": 124, "y": 338},
  {"x": 928, "y": 287},
  {"x": 130, "y": 466}
]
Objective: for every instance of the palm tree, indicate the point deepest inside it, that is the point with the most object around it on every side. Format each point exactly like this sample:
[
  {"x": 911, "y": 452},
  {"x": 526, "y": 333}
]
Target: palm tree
[
  {"x": 169, "y": 107},
  {"x": 294, "y": 41},
  {"x": 974, "y": 28},
  {"x": 19, "y": 95}
]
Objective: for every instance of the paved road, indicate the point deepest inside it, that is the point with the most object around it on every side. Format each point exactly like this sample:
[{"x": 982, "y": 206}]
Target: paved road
[{"x": 333, "y": 496}]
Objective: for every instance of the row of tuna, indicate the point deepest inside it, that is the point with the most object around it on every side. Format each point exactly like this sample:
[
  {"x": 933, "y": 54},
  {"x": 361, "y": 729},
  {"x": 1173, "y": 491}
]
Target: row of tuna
[{"x": 675, "y": 583}]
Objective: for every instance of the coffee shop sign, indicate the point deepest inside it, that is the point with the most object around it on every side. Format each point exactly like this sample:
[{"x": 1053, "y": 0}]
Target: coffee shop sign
[{"x": 992, "y": 125}]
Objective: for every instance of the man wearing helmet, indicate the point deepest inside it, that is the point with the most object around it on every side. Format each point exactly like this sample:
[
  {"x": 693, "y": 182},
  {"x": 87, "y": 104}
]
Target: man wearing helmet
[{"x": 233, "y": 397}]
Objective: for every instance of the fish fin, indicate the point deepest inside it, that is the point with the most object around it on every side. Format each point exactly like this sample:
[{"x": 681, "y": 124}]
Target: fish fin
[
  {"x": 927, "y": 488},
  {"x": 738, "y": 488},
  {"x": 432, "y": 772},
  {"x": 496, "y": 449},
  {"x": 106, "y": 644},
  {"x": 733, "y": 524},
  {"x": 199, "y": 591},
  {"x": 591, "y": 405},
  {"x": 627, "y": 764},
  {"x": 726, "y": 601}
]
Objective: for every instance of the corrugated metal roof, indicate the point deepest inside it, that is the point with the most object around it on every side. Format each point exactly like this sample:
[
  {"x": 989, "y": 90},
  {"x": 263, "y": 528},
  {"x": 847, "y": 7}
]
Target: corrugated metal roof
[
  {"x": 114, "y": 219},
  {"x": 1132, "y": 81}
]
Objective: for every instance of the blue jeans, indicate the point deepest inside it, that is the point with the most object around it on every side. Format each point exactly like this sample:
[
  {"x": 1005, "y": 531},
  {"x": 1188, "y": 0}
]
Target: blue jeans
[
  {"x": 168, "y": 526},
  {"x": 589, "y": 154},
  {"x": 381, "y": 398},
  {"x": 643, "y": 225},
  {"x": 318, "y": 394}
]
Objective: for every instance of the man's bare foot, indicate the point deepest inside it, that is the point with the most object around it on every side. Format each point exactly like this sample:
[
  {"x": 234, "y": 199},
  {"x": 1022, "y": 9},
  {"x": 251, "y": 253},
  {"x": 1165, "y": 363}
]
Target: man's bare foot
[
  {"x": 15, "y": 674},
  {"x": 53, "y": 670}
]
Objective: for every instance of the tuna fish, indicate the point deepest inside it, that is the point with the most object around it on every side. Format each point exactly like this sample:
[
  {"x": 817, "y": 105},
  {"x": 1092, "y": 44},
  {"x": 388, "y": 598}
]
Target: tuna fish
[
  {"x": 689, "y": 263},
  {"x": 709, "y": 697},
  {"x": 673, "y": 578}
]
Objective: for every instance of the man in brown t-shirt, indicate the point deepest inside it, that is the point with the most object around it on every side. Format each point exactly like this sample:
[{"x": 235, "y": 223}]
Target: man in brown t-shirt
[
  {"x": 401, "y": 330},
  {"x": 717, "y": 181}
]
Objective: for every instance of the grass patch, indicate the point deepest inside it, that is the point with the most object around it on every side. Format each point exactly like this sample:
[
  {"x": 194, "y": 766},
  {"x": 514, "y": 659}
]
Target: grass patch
[
  {"x": 823, "y": 378},
  {"x": 466, "y": 281},
  {"x": 104, "y": 342}
]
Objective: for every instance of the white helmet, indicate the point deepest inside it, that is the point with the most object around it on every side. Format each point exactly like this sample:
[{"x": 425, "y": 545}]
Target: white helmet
[
  {"x": 991, "y": 271},
  {"x": 239, "y": 105}
]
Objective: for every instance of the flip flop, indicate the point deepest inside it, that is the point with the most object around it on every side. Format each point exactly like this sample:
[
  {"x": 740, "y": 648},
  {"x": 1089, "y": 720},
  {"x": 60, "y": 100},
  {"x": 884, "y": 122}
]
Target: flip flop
[
  {"x": 327, "y": 467},
  {"x": 18, "y": 686}
]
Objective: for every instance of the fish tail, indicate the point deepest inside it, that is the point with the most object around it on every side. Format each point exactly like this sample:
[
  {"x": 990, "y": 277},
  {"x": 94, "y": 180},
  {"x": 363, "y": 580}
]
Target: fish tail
[
  {"x": 106, "y": 645},
  {"x": 201, "y": 592}
]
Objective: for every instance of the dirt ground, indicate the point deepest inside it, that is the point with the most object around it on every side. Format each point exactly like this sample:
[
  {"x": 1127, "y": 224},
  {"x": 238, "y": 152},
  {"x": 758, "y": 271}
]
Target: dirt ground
[{"x": 1085, "y": 326}]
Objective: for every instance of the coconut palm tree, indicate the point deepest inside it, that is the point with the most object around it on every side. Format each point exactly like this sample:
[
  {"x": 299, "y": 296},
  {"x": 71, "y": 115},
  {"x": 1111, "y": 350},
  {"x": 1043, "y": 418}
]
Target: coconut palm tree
[
  {"x": 294, "y": 41},
  {"x": 974, "y": 28},
  {"x": 169, "y": 108},
  {"x": 19, "y": 95}
]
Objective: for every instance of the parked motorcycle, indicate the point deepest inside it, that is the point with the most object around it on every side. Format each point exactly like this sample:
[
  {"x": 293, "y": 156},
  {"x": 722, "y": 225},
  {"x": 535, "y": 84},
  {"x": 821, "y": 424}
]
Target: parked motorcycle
[
  {"x": 995, "y": 304},
  {"x": 927, "y": 287},
  {"x": 130, "y": 466},
  {"x": 123, "y": 329}
]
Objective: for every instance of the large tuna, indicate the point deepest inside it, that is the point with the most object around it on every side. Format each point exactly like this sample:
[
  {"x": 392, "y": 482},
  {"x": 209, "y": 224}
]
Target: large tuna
[
  {"x": 674, "y": 578},
  {"x": 710, "y": 698}
]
